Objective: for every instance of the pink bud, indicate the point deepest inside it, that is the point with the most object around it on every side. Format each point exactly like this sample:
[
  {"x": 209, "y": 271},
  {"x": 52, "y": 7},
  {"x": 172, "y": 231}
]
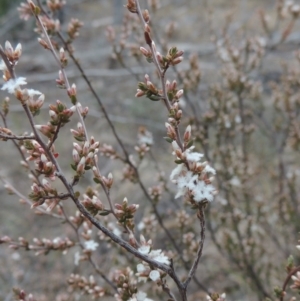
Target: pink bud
[
  {"x": 144, "y": 51},
  {"x": 75, "y": 155},
  {"x": 179, "y": 94}
]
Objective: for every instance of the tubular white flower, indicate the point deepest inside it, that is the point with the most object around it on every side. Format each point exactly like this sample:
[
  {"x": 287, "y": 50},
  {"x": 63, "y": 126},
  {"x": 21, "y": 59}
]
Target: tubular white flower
[
  {"x": 91, "y": 245},
  {"x": 13, "y": 84}
]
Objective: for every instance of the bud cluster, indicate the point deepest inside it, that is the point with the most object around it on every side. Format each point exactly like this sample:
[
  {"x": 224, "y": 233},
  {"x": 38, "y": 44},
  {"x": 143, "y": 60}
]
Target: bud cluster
[
  {"x": 73, "y": 28},
  {"x": 10, "y": 58},
  {"x": 174, "y": 57},
  {"x": 125, "y": 283},
  {"x": 125, "y": 213},
  {"x": 86, "y": 286},
  {"x": 52, "y": 26},
  {"x": 60, "y": 114},
  {"x": 129, "y": 173},
  {"x": 55, "y": 5},
  {"x": 13, "y": 55},
  {"x": 37, "y": 154},
  {"x": 108, "y": 151},
  {"x": 155, "y": 192},
  {"x": 142, "y": 150},
  {"x": 92, "y": 202},
  {"x": 33, "y": 104},
  {"x": 149, "y": 89},
  {"x": 84, "y": 154},
  {"x": 79, "y": 134},
  {"x": 40, "y": 246},
  {"x": 24, "y": 11}
]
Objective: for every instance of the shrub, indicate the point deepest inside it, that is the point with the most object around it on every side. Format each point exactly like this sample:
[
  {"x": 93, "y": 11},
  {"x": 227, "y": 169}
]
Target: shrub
[{"x": 240, "y": 193}]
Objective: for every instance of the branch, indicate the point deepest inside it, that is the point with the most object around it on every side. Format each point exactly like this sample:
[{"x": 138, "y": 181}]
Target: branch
[
  {"x": 14, "y": 137},
  {"x": 288, "y": 277},
  {"x": 192, "y": 272}
]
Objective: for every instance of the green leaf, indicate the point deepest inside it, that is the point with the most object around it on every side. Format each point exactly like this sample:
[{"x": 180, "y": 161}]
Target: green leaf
[
  {"x": 73, "y": 166},
  {"x": 190, "y": 143},
  {"x": 96, "y": 180},
  {"x": 168, "y": 139},
  {"x": 154, "y": 97}
]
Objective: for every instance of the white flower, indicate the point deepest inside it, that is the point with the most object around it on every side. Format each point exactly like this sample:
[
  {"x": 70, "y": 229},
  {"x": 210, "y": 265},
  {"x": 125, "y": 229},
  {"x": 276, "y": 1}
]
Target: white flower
[
  {"x": 298, "y": 247},
  {"x": 76, "y": 258},
  {"x": 141, "y": 269},
  {"x": 159, "y": 256},
  {"x": 193, "y": 156},
  {"x": 145, "y": 137},
  {"x": 176, "y": 171},
  {"x": 32, "y": 92},
  {"x": 13, "y": 84},
  {"x": 184, "y": 182},
  {"x": 145, "y": 249},
  {"x": 154, "y": 275},
  {"x": 190, "y": 182},
  {"x": 140, "y": 296},
  {"x": 115, "y": 229},
  {"x": 91, "y": 245},
  {"x": 203, "y": 192},
  {"x": 209, "y": 169}
]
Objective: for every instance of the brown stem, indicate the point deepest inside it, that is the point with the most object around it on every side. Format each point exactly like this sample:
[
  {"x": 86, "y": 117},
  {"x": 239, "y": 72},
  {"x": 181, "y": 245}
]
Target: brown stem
[
  {"x": 287, "y": 279},
  {"x": 13, "y": 137}
]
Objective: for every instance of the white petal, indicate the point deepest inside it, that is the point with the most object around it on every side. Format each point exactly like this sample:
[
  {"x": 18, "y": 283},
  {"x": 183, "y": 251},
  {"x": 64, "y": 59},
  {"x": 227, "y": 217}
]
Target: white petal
[{"x": 154, "y": 275}]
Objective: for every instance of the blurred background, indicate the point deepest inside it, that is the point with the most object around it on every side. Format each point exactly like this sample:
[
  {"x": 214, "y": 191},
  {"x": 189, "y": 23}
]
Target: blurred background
[{"x": 196, "y": 23}]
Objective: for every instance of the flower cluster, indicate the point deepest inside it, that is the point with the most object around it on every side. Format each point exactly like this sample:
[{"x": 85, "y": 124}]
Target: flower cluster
[
  {"x": 191, "y": 176},
  {"x": 144, "y": 271}
]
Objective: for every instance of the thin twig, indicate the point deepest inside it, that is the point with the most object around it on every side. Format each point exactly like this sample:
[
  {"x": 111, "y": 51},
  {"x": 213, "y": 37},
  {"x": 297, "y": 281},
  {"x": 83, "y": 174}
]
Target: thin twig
[
  {"x": 193, "y": 269},
  {"x": 13, "y": 137}
]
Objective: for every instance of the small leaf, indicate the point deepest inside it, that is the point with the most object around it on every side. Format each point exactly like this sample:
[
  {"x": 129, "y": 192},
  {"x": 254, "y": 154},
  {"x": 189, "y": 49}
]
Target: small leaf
[
  {"x": 73, "y": 167},
  {"x": 189, "y": 144},
  {"x": 168, "y": 139},
  {"x": 96, "y": 180},
  {"x": 154, "y": 97}
]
